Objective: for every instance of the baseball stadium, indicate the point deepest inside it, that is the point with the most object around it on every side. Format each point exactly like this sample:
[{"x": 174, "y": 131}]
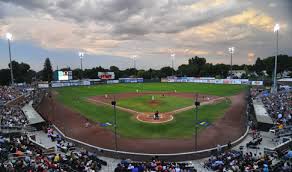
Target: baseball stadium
[
  {"x": 221, "y": 112},
  {"x": 145, "y": 86}
]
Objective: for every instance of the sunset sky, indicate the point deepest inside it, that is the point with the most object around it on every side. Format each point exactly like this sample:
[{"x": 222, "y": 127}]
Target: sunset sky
[{"x": 110, "y": 32}]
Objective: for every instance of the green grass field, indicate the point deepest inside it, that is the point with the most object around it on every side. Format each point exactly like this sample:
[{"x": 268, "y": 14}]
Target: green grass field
[
  {"x": 183, "y": 124},
  {"x": 161, "y": 103}
]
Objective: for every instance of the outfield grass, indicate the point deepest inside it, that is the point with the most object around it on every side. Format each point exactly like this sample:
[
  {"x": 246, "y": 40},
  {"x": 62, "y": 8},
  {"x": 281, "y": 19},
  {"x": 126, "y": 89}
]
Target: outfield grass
[
  {"x": 161, "y": 103},
  {"x": 212, "y": 89},
  {"x": 128, "y": 126}
]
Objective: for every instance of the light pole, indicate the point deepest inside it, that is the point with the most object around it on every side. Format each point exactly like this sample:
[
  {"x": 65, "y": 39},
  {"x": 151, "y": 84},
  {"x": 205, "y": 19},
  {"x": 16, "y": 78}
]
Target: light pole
[
  {"x": 231, "y": 51},
  {"x": 276, "y": 29},
  {"x": 9, "y": 38},
  {"x": 134, "y": 61},
  {"x": 197, "y": 104},
  {"x": 172, "y": 62},
  {"x": 81, "y": 55},
  {"x": 115, "y": 123}
]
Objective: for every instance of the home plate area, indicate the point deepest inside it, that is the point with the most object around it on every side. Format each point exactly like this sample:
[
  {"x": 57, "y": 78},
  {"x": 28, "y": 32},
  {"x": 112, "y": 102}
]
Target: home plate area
[{"x": 152, "y": 117}]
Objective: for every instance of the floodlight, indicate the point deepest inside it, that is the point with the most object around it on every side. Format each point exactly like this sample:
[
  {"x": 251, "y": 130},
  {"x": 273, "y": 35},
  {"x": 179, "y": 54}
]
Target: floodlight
[
  {"x": 81, "y": 54},
  {"x": 9, "y": 36},
  {"x": 231, "y": 50},
  {"x": 276, "y": 27}
]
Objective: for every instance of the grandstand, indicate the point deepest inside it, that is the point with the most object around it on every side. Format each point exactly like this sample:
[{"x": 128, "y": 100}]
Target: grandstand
[{"x": 42, "y": 146}]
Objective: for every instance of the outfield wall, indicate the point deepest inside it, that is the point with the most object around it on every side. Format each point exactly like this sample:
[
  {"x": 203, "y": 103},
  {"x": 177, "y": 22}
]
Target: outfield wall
[
  {"x": 210, "y": 80},
  {"x": 205, "y": 80}
]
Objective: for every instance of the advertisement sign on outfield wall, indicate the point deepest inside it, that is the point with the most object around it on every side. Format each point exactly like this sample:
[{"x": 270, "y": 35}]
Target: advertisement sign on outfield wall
[
  {"x": 212, "y": 81},
  {"x": 112, "y": 81},
  {"x": 257, "y": 83},
  {"x": 106, "y": 75},
  {"x": 131, "y": 80}
]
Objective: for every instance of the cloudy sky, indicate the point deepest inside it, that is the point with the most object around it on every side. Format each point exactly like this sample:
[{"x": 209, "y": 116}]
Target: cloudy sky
[{"x": 110, "y": 32}]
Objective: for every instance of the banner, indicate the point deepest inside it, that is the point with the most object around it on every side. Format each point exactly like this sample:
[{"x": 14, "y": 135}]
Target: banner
[
  {"x": 112, "y": 81},
  {"x": 106, "y": 75},
  {"x": 131, "y": 80},
  {"x": 257, "y": 83},
  {"x": 210, "y": 80}
]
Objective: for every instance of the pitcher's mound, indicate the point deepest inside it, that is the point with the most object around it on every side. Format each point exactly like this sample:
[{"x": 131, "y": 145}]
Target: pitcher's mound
[{"x": 149, "y": 117}]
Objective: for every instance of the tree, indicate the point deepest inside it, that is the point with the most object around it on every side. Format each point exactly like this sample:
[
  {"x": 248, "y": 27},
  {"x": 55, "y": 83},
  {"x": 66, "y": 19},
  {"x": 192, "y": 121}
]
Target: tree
[
  {"x": 4, "y": 76},
  {"x": 131, "y": 72},
  {"x": 47, "y": 71},
  {"x": 22, "y": 72},
  {"x": 116, "y": 70},
  {"x": 77, "y": 74},
  {"x": 186, "y": 70},
  {"x": 141, "y": 74},
  {"x": 197, "y": 64},
  {"x": 93, "y": 73},
  {"x": 259, "y": 66},
  {"x": 284, "y": 63},
  {"x": 197, "y": 61},
  {"x": 166, "y": 71}
]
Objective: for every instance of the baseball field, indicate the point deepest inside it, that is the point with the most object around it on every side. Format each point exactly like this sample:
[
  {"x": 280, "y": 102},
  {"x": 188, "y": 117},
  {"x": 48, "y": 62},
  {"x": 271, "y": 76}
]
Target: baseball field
[{"x": 137, "y": 102}]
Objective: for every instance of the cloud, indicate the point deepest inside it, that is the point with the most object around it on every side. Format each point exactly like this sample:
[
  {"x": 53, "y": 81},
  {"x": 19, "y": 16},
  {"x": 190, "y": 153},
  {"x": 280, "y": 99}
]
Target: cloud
[
  {"x": 147, "y": 28},
  {"x": 272, "y": 4},
  {"x": 253, "y": 18},
  {"x": 58, "y": 34},
  {"x": 179, "y": 51},
  {"x": 232, "y": 28}
]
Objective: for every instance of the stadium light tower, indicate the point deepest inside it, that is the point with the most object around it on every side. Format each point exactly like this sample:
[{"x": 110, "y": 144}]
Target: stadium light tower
[
  {"x": 276, "y": 29},
  {"x": 134, "y": 57},
  {"x": 9, "y": 38},
  {"x": 81, "y": 55},
  {"x": 231, "y": 51},
  {"x": 172, "y": 61}
]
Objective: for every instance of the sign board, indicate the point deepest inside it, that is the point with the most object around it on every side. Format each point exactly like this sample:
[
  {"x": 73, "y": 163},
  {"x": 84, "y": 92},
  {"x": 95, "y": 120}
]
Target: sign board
[
  {"x": 106, "y": 75},
  {"x": 131, "y": 80},
  {"x": 112, "y": 81},
  {"x": 257, "y": 83},
  {"x": 211, "y": 80},
  {"x": 64, "y": 75}
]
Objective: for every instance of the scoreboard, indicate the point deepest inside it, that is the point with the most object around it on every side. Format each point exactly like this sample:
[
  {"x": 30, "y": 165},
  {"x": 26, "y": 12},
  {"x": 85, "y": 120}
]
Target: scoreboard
[{"x": 64, "y": 75}]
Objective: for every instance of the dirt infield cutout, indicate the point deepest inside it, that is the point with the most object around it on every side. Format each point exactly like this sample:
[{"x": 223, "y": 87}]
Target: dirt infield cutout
[{"x": 148, "y": 117}]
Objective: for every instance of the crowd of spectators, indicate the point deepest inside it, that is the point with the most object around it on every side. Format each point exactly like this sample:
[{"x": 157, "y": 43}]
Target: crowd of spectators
[
  {"x": 18, "y": 154},
  {"x": 154, "y": 165},
  {"x": 11, "y": 116},
  {"x": 8, "y": 93},
  {"x": 279, "y": 106},
  {"x": 237, "y": 161}
]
